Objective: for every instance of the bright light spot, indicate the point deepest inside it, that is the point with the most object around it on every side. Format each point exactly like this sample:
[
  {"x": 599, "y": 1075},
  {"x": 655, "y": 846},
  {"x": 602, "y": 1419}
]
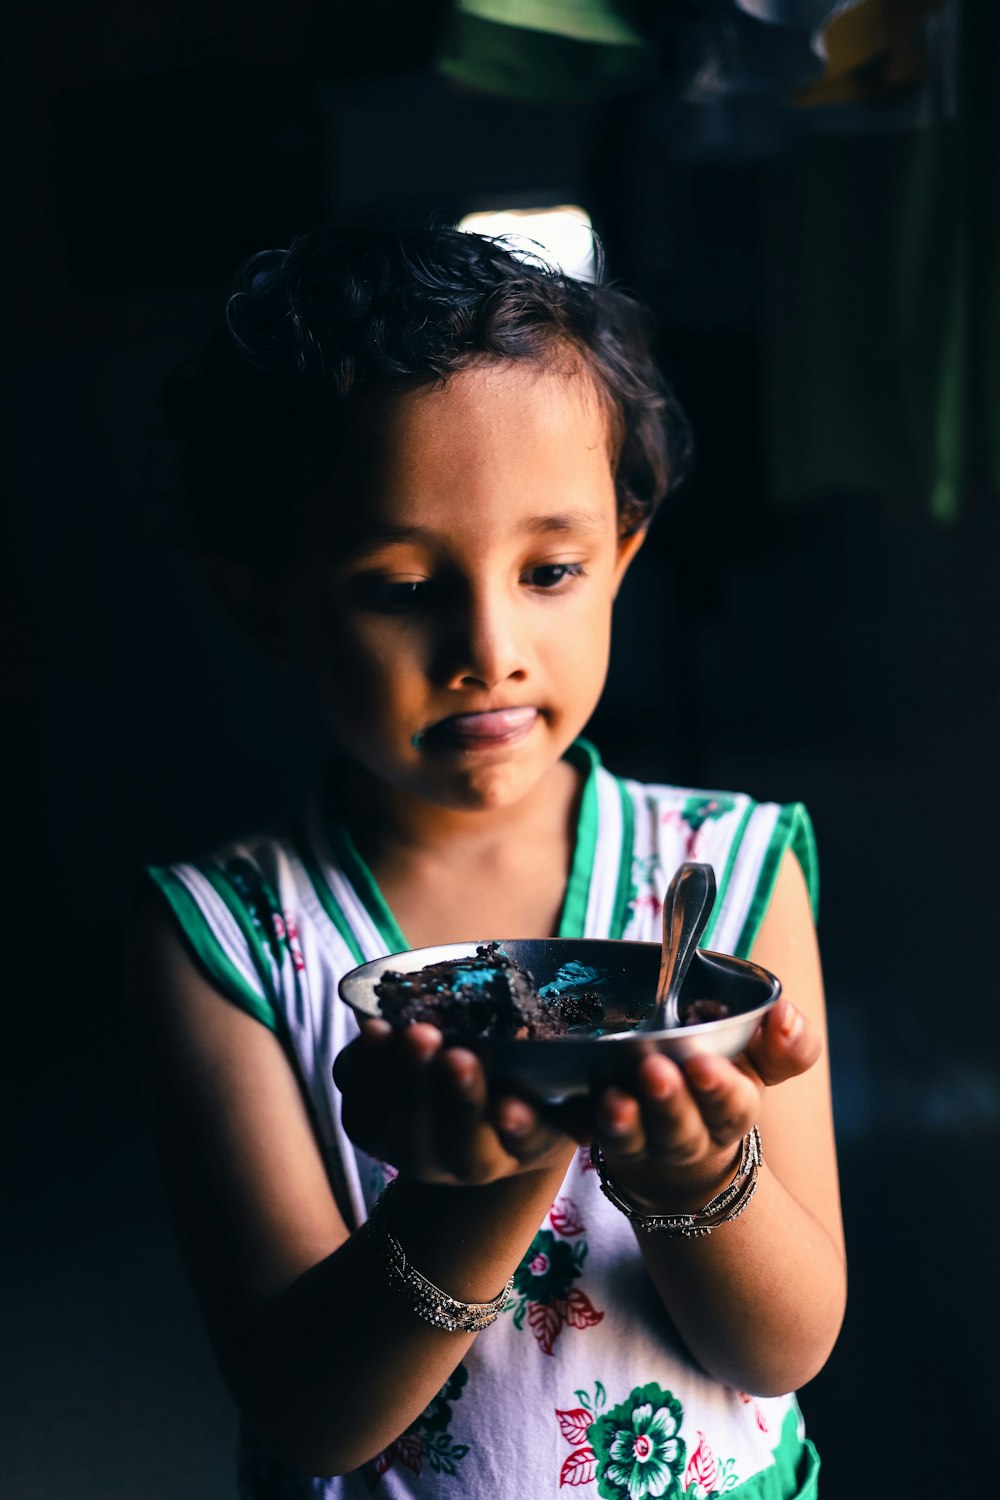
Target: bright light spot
[{"x": 562, "y": 235}]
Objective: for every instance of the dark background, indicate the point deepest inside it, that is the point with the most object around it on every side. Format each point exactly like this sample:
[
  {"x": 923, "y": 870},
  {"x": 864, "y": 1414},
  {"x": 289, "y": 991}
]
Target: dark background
[{"x": 842, "y": 652}]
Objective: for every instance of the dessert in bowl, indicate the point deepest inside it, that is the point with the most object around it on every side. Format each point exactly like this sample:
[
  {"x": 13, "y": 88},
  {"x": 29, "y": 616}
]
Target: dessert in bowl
[{"x": 554, "y": 1017}]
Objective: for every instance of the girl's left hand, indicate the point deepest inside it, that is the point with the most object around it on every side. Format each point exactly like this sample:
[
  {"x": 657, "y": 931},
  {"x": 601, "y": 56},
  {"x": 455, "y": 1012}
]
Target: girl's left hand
[{"x": 676, "y": 1132}]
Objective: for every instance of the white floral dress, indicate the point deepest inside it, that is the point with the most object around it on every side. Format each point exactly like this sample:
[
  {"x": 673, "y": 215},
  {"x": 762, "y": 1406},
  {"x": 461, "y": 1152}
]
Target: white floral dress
[{"x": 582, "y": 1383}]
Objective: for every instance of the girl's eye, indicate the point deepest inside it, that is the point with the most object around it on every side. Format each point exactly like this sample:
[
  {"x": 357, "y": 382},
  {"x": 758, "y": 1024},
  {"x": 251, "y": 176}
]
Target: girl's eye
[
  {"x": 391, "y": 596},
  {"x": 553, "y": 577}
]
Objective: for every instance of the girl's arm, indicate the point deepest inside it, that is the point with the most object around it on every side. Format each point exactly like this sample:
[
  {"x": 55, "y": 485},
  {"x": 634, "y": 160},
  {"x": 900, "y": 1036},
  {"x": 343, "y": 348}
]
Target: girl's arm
[
  {"x": 759, "y": 1302},
  {"x": 325, "y": 1360}
]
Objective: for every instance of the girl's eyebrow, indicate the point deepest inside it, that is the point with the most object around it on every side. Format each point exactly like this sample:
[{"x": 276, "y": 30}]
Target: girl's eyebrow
[
  {"x": 366, "y": 537},
  {"x": 570, "y": 520},
  {"x": 372, "y": 538}
]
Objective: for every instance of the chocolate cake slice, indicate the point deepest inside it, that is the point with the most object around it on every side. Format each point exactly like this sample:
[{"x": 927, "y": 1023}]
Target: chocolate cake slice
[{"x": 484, "y": 995}]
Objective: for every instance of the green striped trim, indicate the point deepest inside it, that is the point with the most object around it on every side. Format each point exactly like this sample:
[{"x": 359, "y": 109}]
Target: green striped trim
[
  {"x": 207, "y": 951},
  {"x": 262, "y": 959},
  {"x": 365, "y": 886},
  {"x": 794, "y": 1475},
  {"x": 573, "y": 917},
  {"x": 723, "y": 884},
  {"x": 794, "y": 831},
  {"x": 325, "y": 896},
  {"x": 625, "y": 890}
]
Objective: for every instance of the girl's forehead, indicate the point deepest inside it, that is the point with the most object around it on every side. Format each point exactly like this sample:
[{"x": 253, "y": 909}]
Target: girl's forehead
[
  {"x": 556, "y": 396},
  {"x": 510, "y": 435}
]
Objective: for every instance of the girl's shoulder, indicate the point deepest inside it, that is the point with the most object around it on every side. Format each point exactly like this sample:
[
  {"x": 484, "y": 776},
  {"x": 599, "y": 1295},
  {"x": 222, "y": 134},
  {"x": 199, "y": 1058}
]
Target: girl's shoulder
[
  {"x": 258, "y": 910},
  {"x": 229, "y": 904}
]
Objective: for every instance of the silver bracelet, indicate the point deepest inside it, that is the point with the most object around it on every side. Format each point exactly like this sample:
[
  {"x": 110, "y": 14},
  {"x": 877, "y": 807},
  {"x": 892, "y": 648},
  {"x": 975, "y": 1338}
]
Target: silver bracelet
[
  {"x": 428, "y": 1301},
  {"x": 726, "y": 1206}
]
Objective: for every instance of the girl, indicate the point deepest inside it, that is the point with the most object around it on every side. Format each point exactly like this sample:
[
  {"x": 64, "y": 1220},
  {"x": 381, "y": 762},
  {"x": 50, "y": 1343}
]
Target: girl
[{"x": 422, "y": 468}]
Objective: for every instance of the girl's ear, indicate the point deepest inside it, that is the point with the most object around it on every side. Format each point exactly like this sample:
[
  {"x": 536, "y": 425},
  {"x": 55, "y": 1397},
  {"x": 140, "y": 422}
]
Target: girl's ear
[
  {"x": 628, "y": 546},
  {"x": 246, "y": 601}
]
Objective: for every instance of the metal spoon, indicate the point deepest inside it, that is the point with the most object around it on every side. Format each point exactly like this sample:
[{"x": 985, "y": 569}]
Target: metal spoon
[{"x": 686, "y": 909}]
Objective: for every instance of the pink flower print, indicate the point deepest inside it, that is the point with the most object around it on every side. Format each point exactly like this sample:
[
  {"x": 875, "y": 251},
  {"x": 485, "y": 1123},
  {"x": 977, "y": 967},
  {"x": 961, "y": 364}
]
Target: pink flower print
[
  {"x": 701, "y": 1472},
  {"x": 579, "y": 1311},
  {"x": 287, "y": 933},
  {"x": 564, "y": 1216},
  {"x": 407, "y": 1450},
  {"x": 294, "y": 946},
  {"x": 573, "y": 1423},
  {"x": 697, "y": 811},
  {"x": 580, "y": 1466},
  {"x": 674, "y": 818},
  {"x": 759, "y": 1416},
  {"x": 545, "y": 1319},
  {"x": 649, "y": 902},
  {"x": 544, "y": 1292}
]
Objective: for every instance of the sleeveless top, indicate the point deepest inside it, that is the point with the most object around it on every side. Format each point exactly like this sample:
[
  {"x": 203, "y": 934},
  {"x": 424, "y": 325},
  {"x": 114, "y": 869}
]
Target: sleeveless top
[{"x": 582, "y": 1382}]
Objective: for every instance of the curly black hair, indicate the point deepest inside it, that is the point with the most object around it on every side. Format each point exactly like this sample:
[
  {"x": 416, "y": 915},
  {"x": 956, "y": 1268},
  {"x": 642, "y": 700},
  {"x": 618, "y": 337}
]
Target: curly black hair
[{"x": 258, "y": 416}]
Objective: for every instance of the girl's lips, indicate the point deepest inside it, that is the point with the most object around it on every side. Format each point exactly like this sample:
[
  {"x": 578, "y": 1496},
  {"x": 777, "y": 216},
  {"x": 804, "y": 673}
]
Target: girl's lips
[{"x": 497, "y": 726}]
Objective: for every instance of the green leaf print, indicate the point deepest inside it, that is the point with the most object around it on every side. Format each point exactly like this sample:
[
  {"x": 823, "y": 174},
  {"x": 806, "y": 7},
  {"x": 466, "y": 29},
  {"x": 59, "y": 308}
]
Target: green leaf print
[
  {"x": 547, "y": 1270},
  {"x": 700, "y": 810},
  {"x": 638, "y": 1450},
  {"x": 436, "y": 1416},
  {"x": 427, "y": 1438},
  {"x": 260, "y": 902},
  {"x": 442, "y": 1453}
]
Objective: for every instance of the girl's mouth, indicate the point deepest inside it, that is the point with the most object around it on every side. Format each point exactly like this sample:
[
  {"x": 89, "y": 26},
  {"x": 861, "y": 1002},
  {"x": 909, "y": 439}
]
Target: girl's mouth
[{"x": 483, "y": 731}]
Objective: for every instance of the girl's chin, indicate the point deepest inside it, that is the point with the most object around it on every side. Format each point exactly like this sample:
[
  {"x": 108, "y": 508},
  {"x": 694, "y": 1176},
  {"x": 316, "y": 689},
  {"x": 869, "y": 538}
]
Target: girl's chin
[
  {"x": 479, "y": 785},
  {"x": 487, "y": 780}
]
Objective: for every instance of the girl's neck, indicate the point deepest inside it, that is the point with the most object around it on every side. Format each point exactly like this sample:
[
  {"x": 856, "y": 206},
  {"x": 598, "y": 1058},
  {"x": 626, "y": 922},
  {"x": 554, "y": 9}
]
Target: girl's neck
[{"x": 447, "y": 875}]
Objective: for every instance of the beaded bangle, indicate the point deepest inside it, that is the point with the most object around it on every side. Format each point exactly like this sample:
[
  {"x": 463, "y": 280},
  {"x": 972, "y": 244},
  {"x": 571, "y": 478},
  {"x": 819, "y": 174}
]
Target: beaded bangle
[
  {"x": 428, "y": 1301},
  {"x": 726, "y": 1206}
]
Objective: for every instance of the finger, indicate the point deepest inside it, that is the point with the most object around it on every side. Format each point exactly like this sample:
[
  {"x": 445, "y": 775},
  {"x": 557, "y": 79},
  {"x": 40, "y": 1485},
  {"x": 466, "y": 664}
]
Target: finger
[
  {"x": 522, "y": 1131},
  {"x": 659, "y": 1087},
  {"x": 419, "y": 1043},
  {"x": 727, "y": 1099},
  {"x": 359, "y": 1073},
  {"x": 671, "y": 1121},
  {"x": 461, "y": 1134},
  {"x": 371, "y": 1036},
  {"x": 463, "y": 1078},
  {"x": 407, "y": 1099},
  {"x": 785, "y": 1045},
  {"x": 619, "y": 1125},
  {"x": 372, "y": 1030}
]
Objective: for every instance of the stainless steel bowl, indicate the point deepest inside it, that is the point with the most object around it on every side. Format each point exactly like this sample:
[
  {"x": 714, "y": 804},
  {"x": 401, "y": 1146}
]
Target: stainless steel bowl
[{"x": 557, "y": 1068}]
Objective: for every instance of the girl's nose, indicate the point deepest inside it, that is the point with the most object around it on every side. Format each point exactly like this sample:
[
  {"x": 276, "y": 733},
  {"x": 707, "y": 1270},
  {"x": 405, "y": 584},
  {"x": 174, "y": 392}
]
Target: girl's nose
[{"x": 485, "y": 647}]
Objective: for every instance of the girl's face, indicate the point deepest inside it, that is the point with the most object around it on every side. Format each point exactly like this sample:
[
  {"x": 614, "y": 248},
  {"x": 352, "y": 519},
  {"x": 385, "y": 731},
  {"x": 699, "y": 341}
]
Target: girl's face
[{"x": 453, "y": 601}]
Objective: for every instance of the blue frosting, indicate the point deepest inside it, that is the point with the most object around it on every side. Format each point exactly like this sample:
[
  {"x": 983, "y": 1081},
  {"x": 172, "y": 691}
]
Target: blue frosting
[
  {"x": 479, "y": 977},
  {"x": 572, "y": 976}
]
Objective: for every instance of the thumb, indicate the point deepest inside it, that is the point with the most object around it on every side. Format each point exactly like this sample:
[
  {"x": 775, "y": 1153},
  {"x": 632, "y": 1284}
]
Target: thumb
[{"x": 784, "y": 1045}]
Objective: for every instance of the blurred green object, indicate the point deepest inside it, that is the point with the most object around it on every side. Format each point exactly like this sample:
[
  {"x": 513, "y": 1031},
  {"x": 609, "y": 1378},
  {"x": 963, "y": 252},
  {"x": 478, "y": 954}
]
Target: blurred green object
[
  {"x": 544, "y": 50},
  {"x": 882, "y": 332},
  {"x": 582, "y": 20}
]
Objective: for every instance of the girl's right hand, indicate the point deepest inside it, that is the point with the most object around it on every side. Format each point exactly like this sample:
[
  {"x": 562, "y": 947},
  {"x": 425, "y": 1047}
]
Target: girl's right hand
[{"x": 426, "y": 1109}]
